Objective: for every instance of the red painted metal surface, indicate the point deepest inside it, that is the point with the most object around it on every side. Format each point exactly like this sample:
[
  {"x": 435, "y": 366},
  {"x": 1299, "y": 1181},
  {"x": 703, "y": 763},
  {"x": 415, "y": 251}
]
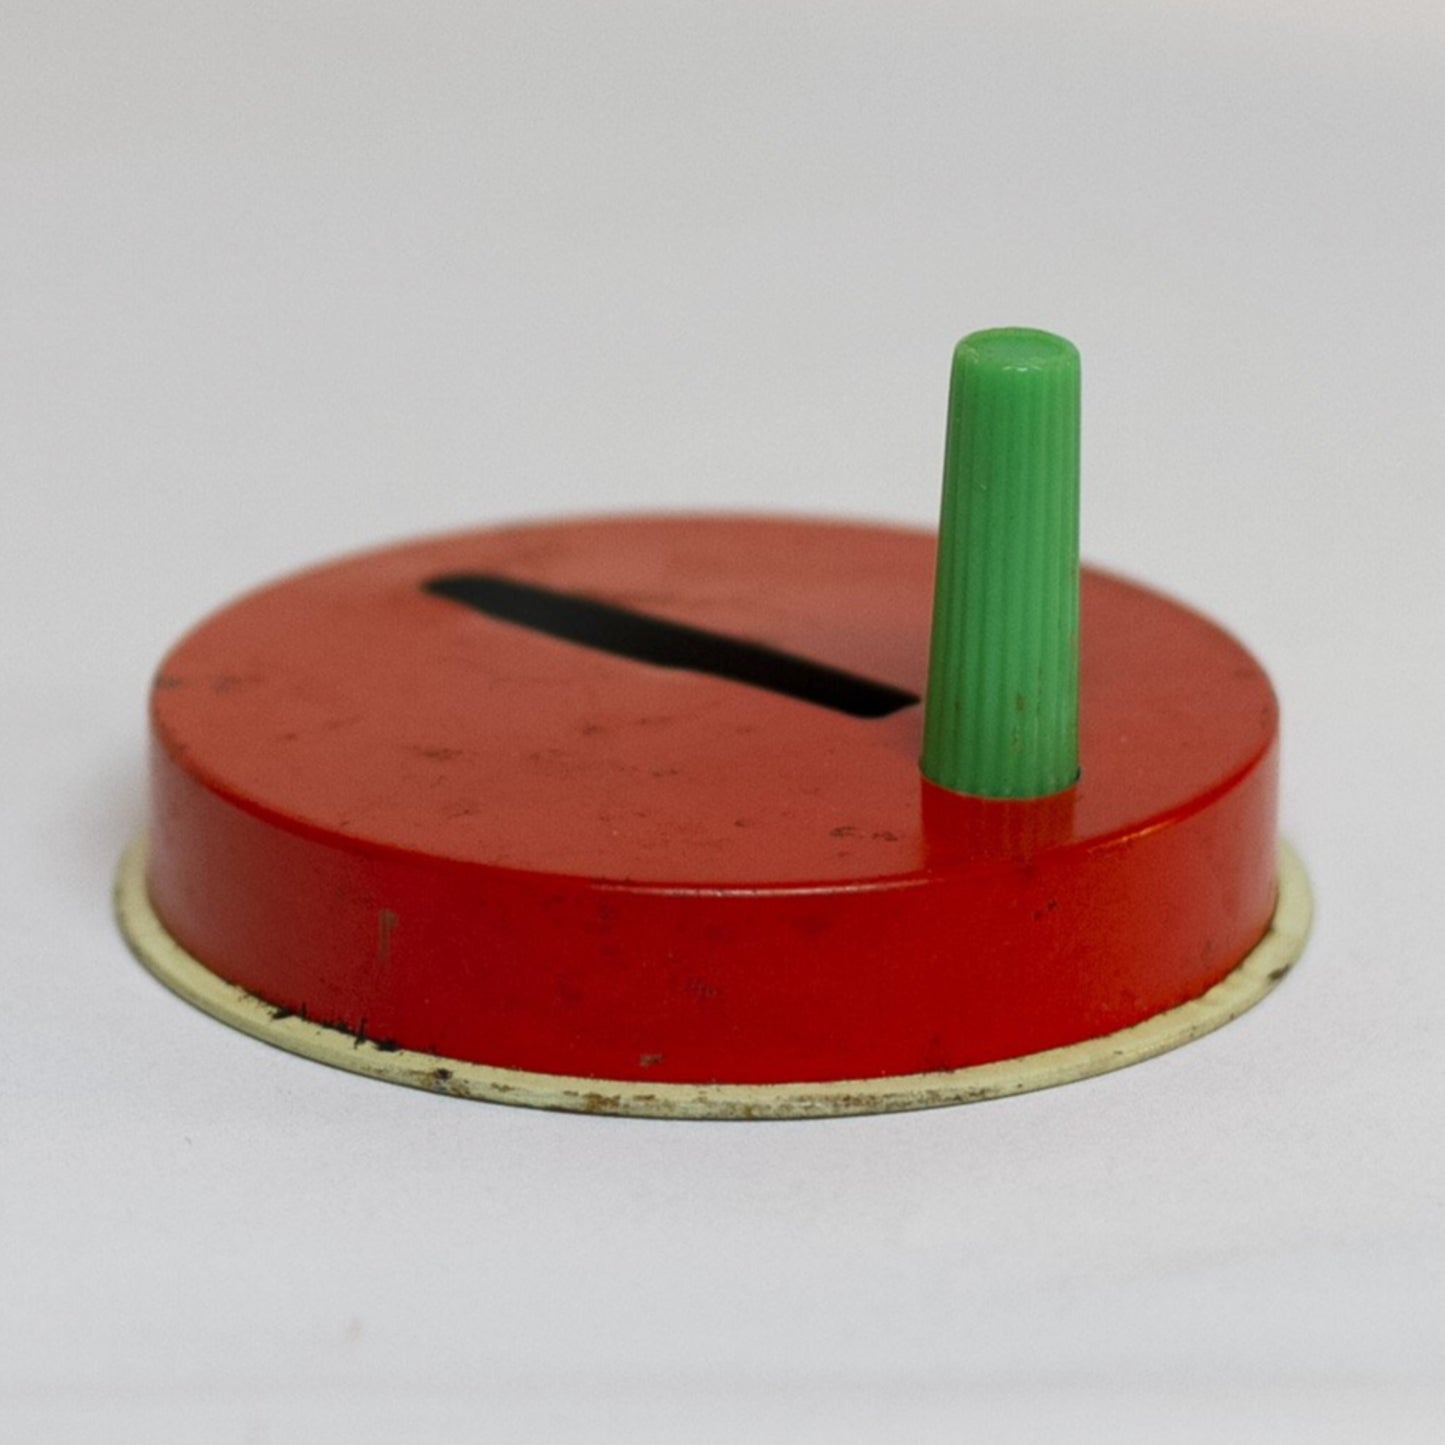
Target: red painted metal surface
[{"x": 413, "y": 822}]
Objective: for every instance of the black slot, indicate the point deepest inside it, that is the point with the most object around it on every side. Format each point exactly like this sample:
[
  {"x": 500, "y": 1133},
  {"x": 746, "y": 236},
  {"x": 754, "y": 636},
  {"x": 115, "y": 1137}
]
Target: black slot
[{"x": 635, "y": 635}]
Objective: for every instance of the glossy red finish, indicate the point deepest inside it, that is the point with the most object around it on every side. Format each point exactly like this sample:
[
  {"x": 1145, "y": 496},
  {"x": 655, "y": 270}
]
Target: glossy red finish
[{"x": 419, "y": 824}]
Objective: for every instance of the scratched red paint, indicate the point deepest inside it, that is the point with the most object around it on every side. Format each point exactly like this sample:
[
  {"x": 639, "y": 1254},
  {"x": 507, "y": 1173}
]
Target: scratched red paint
[{"x": 414, "y": 822}]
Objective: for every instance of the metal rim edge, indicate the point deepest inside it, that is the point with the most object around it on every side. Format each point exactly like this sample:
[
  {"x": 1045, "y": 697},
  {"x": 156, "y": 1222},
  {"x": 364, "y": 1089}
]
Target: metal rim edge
[{"x": 1257, "y": 975}]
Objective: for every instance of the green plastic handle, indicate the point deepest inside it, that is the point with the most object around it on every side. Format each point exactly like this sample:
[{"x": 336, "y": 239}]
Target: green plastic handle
[{"x": 1002, "y": 711}]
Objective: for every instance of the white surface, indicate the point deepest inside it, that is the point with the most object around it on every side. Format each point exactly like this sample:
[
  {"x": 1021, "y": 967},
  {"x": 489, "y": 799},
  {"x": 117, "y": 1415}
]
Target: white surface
[{"x": 281, "y": 281}]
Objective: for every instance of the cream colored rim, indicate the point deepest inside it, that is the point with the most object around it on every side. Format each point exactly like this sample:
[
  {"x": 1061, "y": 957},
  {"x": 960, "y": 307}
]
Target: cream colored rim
[{"x": 1261, "y": 970}]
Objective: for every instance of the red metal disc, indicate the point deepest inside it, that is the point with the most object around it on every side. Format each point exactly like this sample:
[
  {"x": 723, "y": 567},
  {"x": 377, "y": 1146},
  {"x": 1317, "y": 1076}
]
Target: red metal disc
[{"x": 383, "y": 810}]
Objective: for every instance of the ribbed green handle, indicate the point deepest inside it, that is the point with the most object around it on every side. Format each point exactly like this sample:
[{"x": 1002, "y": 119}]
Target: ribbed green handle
[{"x": 1002, "y": 711}]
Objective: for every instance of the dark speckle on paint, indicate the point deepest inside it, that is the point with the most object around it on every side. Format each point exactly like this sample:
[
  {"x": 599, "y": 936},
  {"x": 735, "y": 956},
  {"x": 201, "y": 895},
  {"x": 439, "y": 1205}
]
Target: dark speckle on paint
[
  {"x": 386, "y": 926},
  {"x": 815, "y": 925},
  {"x": 359, "y": 1036}
]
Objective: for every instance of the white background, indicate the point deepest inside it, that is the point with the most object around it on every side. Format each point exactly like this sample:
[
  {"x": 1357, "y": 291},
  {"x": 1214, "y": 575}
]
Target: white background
[{"x": 283, "y": 280}]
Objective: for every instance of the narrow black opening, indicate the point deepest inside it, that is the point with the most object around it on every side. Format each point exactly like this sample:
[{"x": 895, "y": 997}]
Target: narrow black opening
[{"x": 635, "y": 635}]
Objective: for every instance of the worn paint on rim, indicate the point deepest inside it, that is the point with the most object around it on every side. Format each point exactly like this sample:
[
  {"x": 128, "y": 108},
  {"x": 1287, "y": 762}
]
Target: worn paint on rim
[{"x": 1257, "y": 975}]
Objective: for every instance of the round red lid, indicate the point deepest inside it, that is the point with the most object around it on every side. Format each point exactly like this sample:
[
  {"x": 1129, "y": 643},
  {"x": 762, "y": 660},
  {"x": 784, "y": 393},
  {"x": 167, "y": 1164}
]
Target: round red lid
[{"x": 633, "y": 806}]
